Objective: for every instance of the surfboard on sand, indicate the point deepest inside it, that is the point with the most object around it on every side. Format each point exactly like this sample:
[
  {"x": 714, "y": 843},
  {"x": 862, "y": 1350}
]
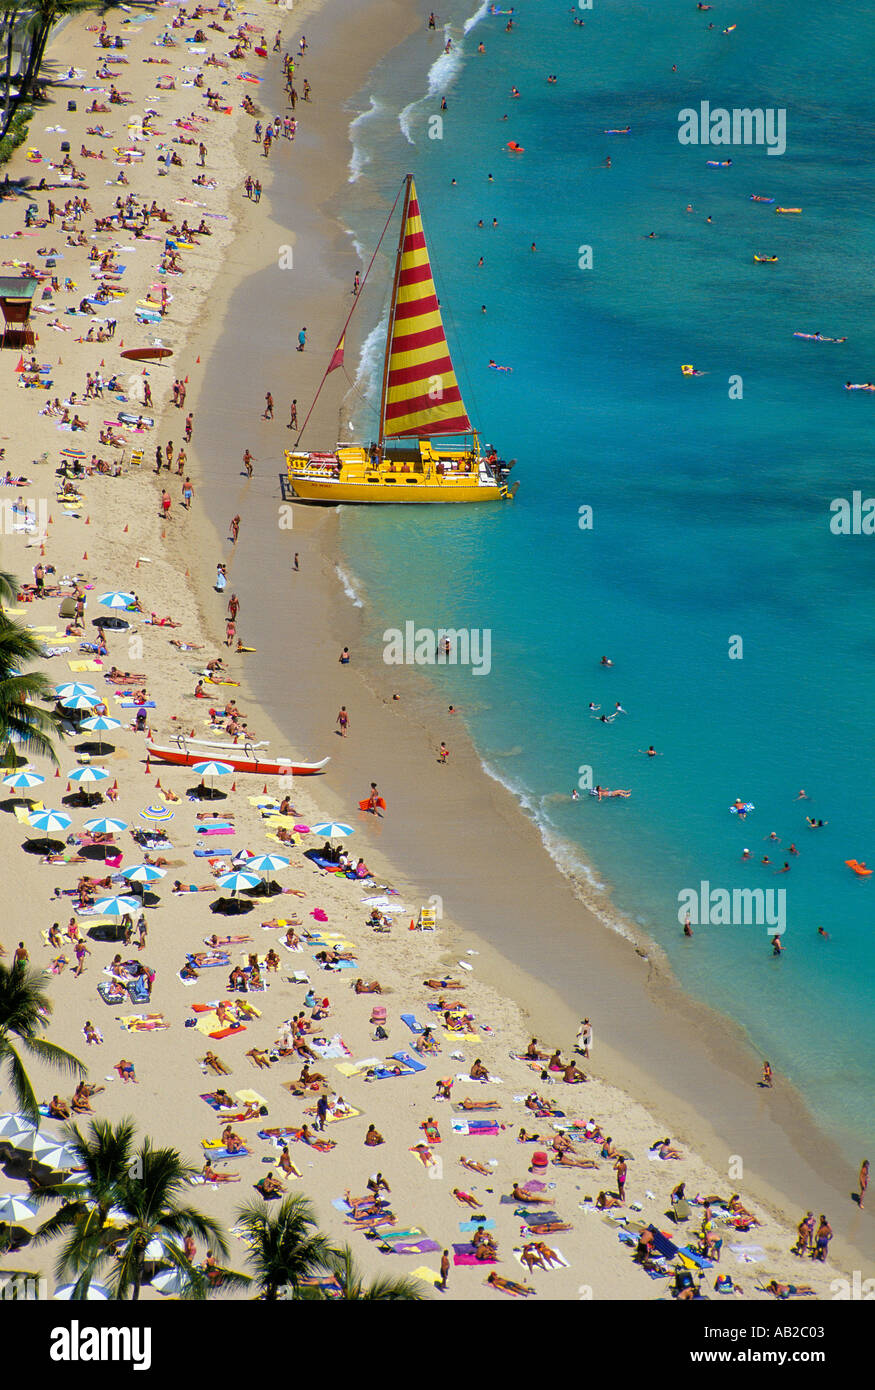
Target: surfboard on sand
[
  {"x": 147, "y": 354},
  {"x": 366, "y": 804}
]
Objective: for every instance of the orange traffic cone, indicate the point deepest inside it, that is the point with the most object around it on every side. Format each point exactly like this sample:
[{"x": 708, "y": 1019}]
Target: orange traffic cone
[
  {"x": 233, "y": 786},
  {"x": 148, "y": 768},
  {"x": 411, "y": 927},
  {"x": 264, "y": 790},
  {"x": 137, "y": 565},
  {"x": 85, "y": 556},
  {"x": 158, "y": 784},
  {"x": 115, "y": 785},
  {"x": 198, "y": 361},
  {"x": 126, "y": 527},
  {"x": 57, "y": 772},
  {"x": 88, "y": 521},
  {"x": 51, "y": 521}
]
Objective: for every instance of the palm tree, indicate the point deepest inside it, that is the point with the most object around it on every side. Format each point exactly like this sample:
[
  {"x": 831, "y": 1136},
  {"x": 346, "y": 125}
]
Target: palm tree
[
  {"x": 341, "y": 1263},
  {"x": 284, "y": 1249},
  {"x": 140, "y": 1191},
  {"x": 20, "y": 719},
  {"x": 25, "y": 1011},
  {"x": 26, "y": 25}
]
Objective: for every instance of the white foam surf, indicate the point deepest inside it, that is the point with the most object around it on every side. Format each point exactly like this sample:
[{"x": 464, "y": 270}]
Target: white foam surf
[
  {"x": 359, "y": 158},
  {"x": 348, "y": 583}
]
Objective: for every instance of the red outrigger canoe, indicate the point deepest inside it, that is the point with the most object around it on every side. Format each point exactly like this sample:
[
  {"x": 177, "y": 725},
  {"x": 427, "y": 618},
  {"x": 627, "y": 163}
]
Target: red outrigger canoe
[{"x": 183, "y": 756}]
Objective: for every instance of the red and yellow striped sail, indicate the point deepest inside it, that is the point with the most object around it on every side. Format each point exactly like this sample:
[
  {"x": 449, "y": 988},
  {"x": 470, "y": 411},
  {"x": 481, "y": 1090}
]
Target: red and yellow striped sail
[{"x": 422, "y": 394}]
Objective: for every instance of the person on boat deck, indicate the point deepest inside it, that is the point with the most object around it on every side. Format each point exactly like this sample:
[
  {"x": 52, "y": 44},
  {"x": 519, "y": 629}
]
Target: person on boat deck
[{"x": 439, "y": 469}]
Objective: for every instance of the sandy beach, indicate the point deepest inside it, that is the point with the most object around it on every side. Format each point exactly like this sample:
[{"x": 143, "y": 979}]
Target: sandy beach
[{"x": 530, "y": 958}]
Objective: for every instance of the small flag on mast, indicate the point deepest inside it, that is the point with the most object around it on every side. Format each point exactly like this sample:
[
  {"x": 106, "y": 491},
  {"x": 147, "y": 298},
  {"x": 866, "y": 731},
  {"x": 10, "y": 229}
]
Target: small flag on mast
[{"x": 337, "y": 359}]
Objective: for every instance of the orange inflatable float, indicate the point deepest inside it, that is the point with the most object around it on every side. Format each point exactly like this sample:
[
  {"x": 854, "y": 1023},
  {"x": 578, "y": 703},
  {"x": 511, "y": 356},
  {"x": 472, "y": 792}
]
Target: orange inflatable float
[
  {"x": 517, "y": 149},
  {"x": 858, "y": 868}
]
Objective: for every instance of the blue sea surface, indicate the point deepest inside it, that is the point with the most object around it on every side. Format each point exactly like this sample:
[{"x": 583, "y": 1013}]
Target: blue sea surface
[{"x": 738, "y": 623}]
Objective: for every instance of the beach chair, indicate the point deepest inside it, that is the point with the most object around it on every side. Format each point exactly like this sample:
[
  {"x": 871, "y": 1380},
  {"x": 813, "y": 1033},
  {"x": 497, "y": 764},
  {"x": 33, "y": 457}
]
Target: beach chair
[
  {"x": 67, "y": 607},
  {"x": 681, "y": 1210}
]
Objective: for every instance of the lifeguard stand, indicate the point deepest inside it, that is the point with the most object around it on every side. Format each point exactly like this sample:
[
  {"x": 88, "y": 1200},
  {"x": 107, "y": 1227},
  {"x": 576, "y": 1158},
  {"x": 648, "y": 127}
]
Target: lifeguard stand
[{"x": 16, "y": 296}]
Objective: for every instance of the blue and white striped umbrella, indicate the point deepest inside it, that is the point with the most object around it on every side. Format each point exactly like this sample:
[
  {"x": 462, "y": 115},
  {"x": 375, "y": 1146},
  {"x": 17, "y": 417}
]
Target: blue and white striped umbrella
[
  {"x": 212, "y": 769},
  {"x": 117, "y": 907},
  {"x": 81, "y": 701},
  {"x": 16, "y": 1208},
  {"x": 25, "y": 778},
  {"x": 13, "y": 1123},
  {"x": 96, "y": 1293},
  {"x": 267, "y": 863},
  {"x": 49, "y": 820},
  {"x": 105, "y": 825},
  {"x": 144, "y": 873},
  {"x": 116, "y": 600},
  {"x": 88, "y": 774},
  {"x": 99, "y": 722},
  {"x": 70, "y": 689},
  {"x": 236, "y": 881},
  {"x": 332, "y": 830}
]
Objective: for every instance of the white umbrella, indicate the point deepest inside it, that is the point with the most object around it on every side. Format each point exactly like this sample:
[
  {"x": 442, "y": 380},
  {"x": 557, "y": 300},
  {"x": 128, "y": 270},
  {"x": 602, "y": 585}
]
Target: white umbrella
[
  {"x": 267, "y": 863},
  {"x": 143, "y": 873},
  {"x": 236, "y": 881},
  {"x": 384, "y": 904},
  {"x": 97, "y": 1293},
  {"x": 49, "y": 820},
  {"x": 88, "y": 774},
  {"x": 35, "y": 1142},
  {"x": 117, "y": 907},
  {"x": 71, "y": 689},
  {"x": 12, "y": 1124},
  {"x": 332, "y": 830},
  {"x": 57, "y": 1156},
  {"x": 156, "y": 1249},
  {"x": 212, "y": 769},
  {"x": 25, "y": 778},
  {"x": 172, "y": 1281},
  {"x": 15, "y": 1208},
  {"x": 105, "y": 825},
  {"x": 116, "y": 600},
  {"x": 81, "y": 701}
]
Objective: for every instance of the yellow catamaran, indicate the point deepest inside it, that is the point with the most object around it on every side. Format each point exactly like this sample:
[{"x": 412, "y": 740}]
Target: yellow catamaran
[{"x": 420, "y": 404}]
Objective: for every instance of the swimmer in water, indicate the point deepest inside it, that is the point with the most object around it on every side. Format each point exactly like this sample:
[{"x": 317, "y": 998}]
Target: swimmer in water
[
  {"x": 606, "y": 718},
  {"x": 619, "y": 708},
  {"x": 815, "y": 824},
  {"x": 594, "y": 708},
  {"x": 605, "y": 662},
  {"x": 607, "y": 163},
  {"x": 575, "y": 796},
  {"x": 777, "y": 948},
  {"x": 784, "y": 870},
  {"x": 651, "y": 752},
  {"x": 824, "y": 934},
  {"x": 773, "y": 836},
  {"x": 745, "y": 854},
  {"x": 791, "y": 849},
  {"x": 765, "y": 859},
  {"x": 688, "y": 930},
  {"x": 803, "y": 795}
]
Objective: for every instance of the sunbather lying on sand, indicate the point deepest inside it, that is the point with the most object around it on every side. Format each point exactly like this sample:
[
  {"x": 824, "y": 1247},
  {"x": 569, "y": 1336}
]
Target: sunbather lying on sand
[
  {"x": 211, "y": 1175},
  {"x": 369, "y": 987},
  {"x": 531, "y": 1257},
  {"x": 566, "y": 1160},
  {"x": 508, "y": 1285},
  {"x": 468, "y": 1104},
  {"x": 270, "y": 1186},
  {"x": 443, "y": 984},
  {"x": 605, "y": 1201},
  {"x": 466, "y": 1198},
  {"x": 259, "y": 1057},
  {"x": 214, "y": 1064},
  {"x": 790, "y": 1290},
  {"x": 475, "y": 1167},
  {"x": 521, "y": 1195},
  {"x": 524, "y": 1138}
]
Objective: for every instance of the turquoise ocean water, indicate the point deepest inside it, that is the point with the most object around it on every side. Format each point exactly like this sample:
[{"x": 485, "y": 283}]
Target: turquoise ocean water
[{"x": 710, "y": 514}]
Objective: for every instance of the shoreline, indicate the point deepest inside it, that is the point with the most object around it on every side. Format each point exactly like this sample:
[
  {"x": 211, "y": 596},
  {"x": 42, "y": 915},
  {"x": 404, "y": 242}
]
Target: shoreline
[
  {"x": 310, "y": 614},
  {"x": 726, "y": 1065}
]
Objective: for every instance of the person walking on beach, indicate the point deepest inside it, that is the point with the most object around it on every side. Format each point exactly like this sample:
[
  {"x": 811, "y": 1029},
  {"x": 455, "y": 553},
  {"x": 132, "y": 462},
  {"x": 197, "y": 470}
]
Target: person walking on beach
[
  {"x": 256, "y": 191},
  {"x": 445, "y": 1271},
  {"x": 295, "y": 565},
  {"x": 343, "y": 721},
  {"x": 230, "y": 632},
  {"x": 202, "y": 154},
  {"x": 767, "y": 1074},
  {"x": 247, "y": 463},
  {"x": 187, "y": 494},
  {"x": 443, "y": 754},
  {"x": 268, "y": 406},
  {"x": 235, "y": 528},
  {"x": 293, "y": 415},
  {"x": 166, "y": 501},
  {"x": 822, "y": 1240},
  {"x": 302, "y": 340},
  {"x": 864, "y": 1181},
  {"x": 189, "y": 426},
  {"x": 233, "y": 607}
]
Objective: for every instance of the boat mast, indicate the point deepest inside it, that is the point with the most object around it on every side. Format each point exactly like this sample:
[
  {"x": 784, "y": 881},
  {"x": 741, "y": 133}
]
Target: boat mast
[{"x": 391, "y": 325}]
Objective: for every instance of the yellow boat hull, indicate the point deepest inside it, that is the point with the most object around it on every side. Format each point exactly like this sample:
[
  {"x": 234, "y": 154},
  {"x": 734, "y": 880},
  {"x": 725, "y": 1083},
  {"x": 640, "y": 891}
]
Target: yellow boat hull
[{"x": 421, "y": 477}]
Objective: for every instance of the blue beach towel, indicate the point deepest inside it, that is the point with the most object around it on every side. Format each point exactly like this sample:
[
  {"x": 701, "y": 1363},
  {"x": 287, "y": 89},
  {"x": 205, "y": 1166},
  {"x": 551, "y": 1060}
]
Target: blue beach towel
[
  {"x": 407, "y": 1061},
  {"x": 410, "y": 1020}
]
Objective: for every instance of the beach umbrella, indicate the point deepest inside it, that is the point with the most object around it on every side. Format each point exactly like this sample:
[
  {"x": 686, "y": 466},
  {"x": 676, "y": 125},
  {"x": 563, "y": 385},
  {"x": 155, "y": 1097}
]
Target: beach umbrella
[
  {"x": 25, "y": 778},
  {"x": 88, "y": 774},
  {"x": 105, "y": 825},
  {"x": 237, "y": 880},
  {"x": 384, "y": 904},
  {"x": 117, "y": 906},
  {"x": 35, "y": 1142},
  {"x": 97, "y": 723},
  {"x": 157, "y": 813},
  {"x": 69, "y": 689},
  {"x": 157, "y": 1249},
  {"x": 81, "y": 701},
  {"x": 332, "y": 830},
  {"x": 267, "y": 863},
  {"x": 144, "y": 873},
  {"x": 56, "y": 1156},
  {"x": 15, "y": 1208},
  {"x": 96, "y": 1293},
  {"x": 13, "y": 1124},
  {"x": 174, "y": 1282},
  {"x": 212, "y": 770},
  {"x": 49, "y": 820},
  {"x": 116, "y": 599}
]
